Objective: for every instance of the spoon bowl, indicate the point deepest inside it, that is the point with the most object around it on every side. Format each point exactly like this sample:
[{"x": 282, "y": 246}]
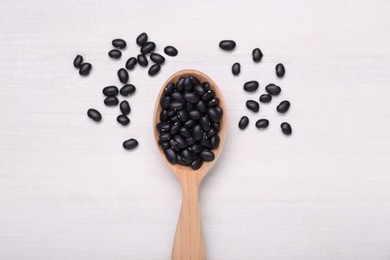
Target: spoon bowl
[{"x": 188, "y": 243}]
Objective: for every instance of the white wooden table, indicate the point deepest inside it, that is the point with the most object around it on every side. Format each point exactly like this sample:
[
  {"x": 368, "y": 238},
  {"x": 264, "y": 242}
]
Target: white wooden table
[{"x": 68, "y": 190}]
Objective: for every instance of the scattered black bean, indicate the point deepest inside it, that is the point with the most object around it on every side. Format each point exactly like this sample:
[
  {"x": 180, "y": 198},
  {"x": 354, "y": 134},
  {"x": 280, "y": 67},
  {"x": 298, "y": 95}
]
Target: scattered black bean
[
  {"x": 273, "y": 89},
  {"x": 142, "y": 60},
  {"x": 154, "y": 69},
  {"x": 148, "y": 47},
  {"x": 244, "y": 121},
  {"x": 283, "y": 106},
  {"x": 142, "y": 39},
  {"x": 130, "y": 63},
  {"x": 125, "y": 107},
  {"x": 94, "y": 115},
  {"x": 227, "y": 45},
  {"x": 127, "y": 90},
  {"x": 110, "y": 91},
  {"x": 286, "y": 128},
  {"x": 257, "y": 55},
  {"x": 252, "y": 105},
  {"x": 262, "y": 123},
  {"x": 170, "y": 51},
  {"x": 157, "y": 58},
  {"x": 130, "y": 144},
  {"x": 251, "y": 86},
  {"x": 280, "y": 70},
  {"x": 265, "y": 98},
  {"x": 115, "y": 54},
  {"x": 119, "y": 43},
  {"x": 85, "y": 68},
  {"x": 236, "y": 68},
  {"x": 123, "y": 120},
  {"x": 111, "y": 101},
  {"x": 78, "y": 61},
  {"x": 123, "y": 75}
]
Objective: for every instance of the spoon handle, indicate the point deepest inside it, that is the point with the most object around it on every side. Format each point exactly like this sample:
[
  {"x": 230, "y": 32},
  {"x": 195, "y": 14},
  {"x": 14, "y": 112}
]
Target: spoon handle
[{"x": 188, "y": 243}]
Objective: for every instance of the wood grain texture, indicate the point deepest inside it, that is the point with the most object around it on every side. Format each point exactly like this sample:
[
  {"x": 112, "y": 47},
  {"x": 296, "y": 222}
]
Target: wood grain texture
[{"x": 68, "y": 190}]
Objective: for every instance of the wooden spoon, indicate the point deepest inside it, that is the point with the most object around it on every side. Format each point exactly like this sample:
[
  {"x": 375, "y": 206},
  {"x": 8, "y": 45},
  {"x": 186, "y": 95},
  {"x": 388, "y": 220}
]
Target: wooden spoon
[{"x": 188, "y": 243}]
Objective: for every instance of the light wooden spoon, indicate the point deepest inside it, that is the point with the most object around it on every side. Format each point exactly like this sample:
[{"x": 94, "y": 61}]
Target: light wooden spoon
[{"x": 188, "y": 243}]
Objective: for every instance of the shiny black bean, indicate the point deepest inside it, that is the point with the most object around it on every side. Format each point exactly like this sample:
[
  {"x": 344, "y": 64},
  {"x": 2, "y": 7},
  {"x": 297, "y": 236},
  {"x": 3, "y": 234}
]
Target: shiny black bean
[
  {"x": 211, "y": 132},
  {"x": 190, "y": 141},
  {"x": 163, "y": 144},
  {"x": 177, "y": 96},
  {"x": 148, "y": 47},
  {"x": 215, "y": 141},
  {"x": 196, "y": 148},
  {"x": 185, "y": 132},
  {"x": 196, "y": 164},
  {"x": 280, "y": 70},
  {"x": 157, "y": 58},
  {"x": 189, "y": 123},
  {"x": 142, "y": 39},
  {"x": 174, "y": 145},
  {"x": 188, "y": 156},
  {"x": 94, "y": 115},
  {"x": 181, "y": 161},
  {"x": 163, "y": 127},
  {"x": 252, "y": 105},
  {"x": 123, "y": 120},
  {"x": 194, "y": 80},
  {"x": 78, "y": 61},
  {"x": 142, "y": 60},
  {"x": 244, "y": 121},
  {"x": 191, "y": 97},
  {"x": 181, "y": 142},
  {"x": 283, "y": 106},
  {"x": 170, "y": 155},
  {"x": 188, "y": 84},
  {"x": 205, "y": 142},
  {"x": 130, "y": 144},
  {"x": 262, "y": 123},
  {"x": 205, "y": 123},
  {"x": 171, "y": 112},
  {"x": 170, "y": 51},
  {"x": 219, "y": 111},
  {"x": 127, "y": 90},
  {"x": 286, "y": 128},
  {"x": 213, "y": 114},
  {"x": 199, "y": 89},
  {"x": 208, "y": 95},
  {"x": 110, "y": 91},
  {"x": 176, "y": 105},
  {"x": 130, "y": 63},
  {"x": 85, "y": 68},
  {"x": 115, "y": 54},
  {"x": 111, "y": 101},
  {"x": 165, "y": 136},
  {"x": 236, "y": 69},
  {"x": 206, "y": 155},
  {"x": 175, "y": 128},
  {"x": 173, "y": 119},
  {"x": 206, "y": 85},
  {"x": 194, "y": 114},
  {"x": 183, "y": 115},
  {"x": 119, "y": 43},
  {"x": 273, "y": 89},
  {"x": 125, "y": 107},
  {"x": 216, "y": 125},
  {"x": 213, "y": 102},
  {"x": 257, "y": 55},
  {"x": 164, "y": 102},
  {"x": 201, "y": 107},
  {"x": 251, "y": 86},
  {"x": 180, "y": 84},
  {"x": 227, "y": 45},
  {"x": 154, "y": 69},
  {"x": 163, "y": 115},
  {"x": 197, "y": 133},
  {"x": 123, "y": 75},
  {"x": 265, "y": 98},
  {"x": 168, "y": 90}
]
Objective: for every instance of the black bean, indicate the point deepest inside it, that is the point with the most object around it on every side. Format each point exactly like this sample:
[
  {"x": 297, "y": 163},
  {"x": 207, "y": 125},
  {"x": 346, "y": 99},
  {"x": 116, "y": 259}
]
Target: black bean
[
  {"x": 171, "y": 112},
  {"x": 208, "y": 95},
  {"x": 244, "y": 121},
  {"x": 85, "y": 68},
  {"x": 280, "y": 70},
  {"x": 205, "y": 142},
  {"x": 180, "y": 84},
  {"x": 175, "y": 128},
  {"x": 168, "y": 90},
  {"x": 205, "y": 123},
  {"x": 194, "y": 80},
  {"x": 163, "y": 144},
  {"x": 213, "y": 102},
  {"x": 286, "y": 128},
  {"x": 127, "y": 89},
  {"x": 177, "y": 96},
  {"x": 206, "y": 155},
  {"x": 125, "y": 107},
  {"x": 185, "y": 132},
  {"x": 236, "y": 68},
  {"x": 216, "y": 125},
  {"x": 154, "y": 69},
  {"x": 163, "y": 115},
  {"x": 176, "y": 105},
  {"x": 170, "y": 51},
  {"x": 219, "y": 111},
  {"x": 181, "y": 161},
  {"x": 199, "y": 89},
  {"x": 257, "y": 55},
  {"x": 197, "y": 133},
  {"x": 164, "y": 102},
  {"x": 123, "y": 120},
  {"x": 283, "y": 106},
  {"x": 196, "y": 164},
  {"x": 189, "y": 106},
  {"x": 157, "y": 58},
  {"x": 211, "y": 132},
  {"x": 206, "y": 86},
  {"x": 123, "y": 75},
  {"x": 188, "y": 156},
  {"x": 189, "y": 123},
  {"x": 183, "y": 115},
  {"x": 119, "y": 43},
  {"x": 141, "y": 39},
  {"x": 111, "y": 101},
  {"x": 163, "y": 127},
  {"x": 196, "y": 148},
  {"x": 130, "y": 144},
  {"x": 180, "y": 141},
  {"x": 215, "y": 141},
  {"x": 148, "y": 47},
  {"x": 165, "y": 136},
  {"x": 94, "y": 115},
  {"x": 142, "y": 60},
  {"x": 110, "y": 91},
  {"x": 251, "y": 86},
  {"x": 262, "y": 123},
  {"x": 213, "y": 114},
  {"x": 195, "y": 115},
  {"x": 173, "y": 119},
  {"x": 201, "y": 107},
  {"x": 252, "y": 105},
  {"x": 130, "y": 63},
  {"x": 191, "y": 97},
  {"x": 265, "y": 98},
  {"x": 171, "y": 155},
  {"x": 190, "y": 141},
  {"x": 188, "y": 84},
  {"x": 115, "y": 54},
  {"x": 227, "y": 45},
  {"x": 273, "y": 89},
  {"x": 78, "y": 61}
]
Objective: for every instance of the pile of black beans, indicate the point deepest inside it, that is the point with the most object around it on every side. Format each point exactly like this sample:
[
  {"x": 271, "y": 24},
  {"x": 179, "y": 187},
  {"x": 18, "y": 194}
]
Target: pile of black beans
[
  {"x": 112, "y": 92},
  {"x": 251, "y": 86},
  {"x": 190, "y": 120}
]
